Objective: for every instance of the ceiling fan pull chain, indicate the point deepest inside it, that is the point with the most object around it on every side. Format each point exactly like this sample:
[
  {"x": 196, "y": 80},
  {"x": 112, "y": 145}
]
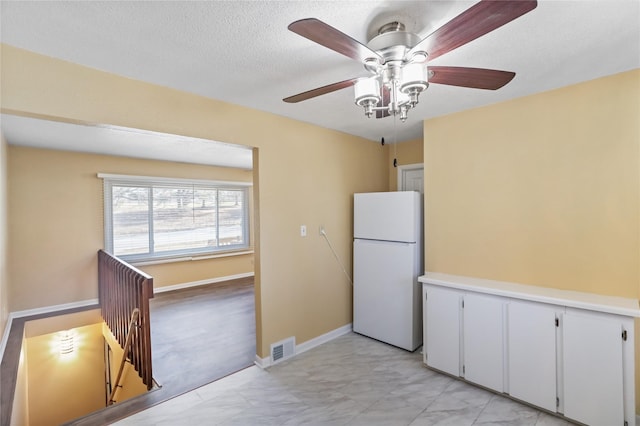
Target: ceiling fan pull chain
[{"x": 395, "y": 142}]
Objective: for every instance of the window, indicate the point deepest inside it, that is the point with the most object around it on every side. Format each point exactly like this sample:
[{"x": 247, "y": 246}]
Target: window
[{"x": 154, "y": 218}]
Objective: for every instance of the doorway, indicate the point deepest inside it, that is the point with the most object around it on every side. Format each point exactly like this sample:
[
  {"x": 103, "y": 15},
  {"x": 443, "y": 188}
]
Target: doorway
[{"x": 411, "y": 177}]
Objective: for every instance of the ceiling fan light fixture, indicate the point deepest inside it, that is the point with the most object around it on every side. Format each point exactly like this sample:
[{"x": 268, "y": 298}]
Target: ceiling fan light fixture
[
  {"x": 367, "y": 94},
  {"x": 414, "y": 81},
  {"x": 397, "y": 59},
  {"x": 414, "y": 78},
  {"x": 372, "y": 65},
  {"x": 419, "y": 57}
]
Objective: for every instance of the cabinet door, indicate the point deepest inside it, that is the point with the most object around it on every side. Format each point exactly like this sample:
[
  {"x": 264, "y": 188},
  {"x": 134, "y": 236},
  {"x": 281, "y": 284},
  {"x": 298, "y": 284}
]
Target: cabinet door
[
  {"x": 442, "y": 329},
  {"x": 592, "y": 369},
  {"x": 531, "y": 353},
  {"x": 483, "y": 337}
]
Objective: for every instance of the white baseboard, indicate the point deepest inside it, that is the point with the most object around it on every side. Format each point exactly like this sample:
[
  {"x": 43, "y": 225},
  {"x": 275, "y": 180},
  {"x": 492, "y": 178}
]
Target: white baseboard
[
  {"x": 181, "y": 286},
  {"x": 53, "y": 308},
  {"x": 5, "y": 337},
  {"x": 309, "y": 344},
  {"x": 317, "y": 341},
  {"x": 262, "y": 362}
]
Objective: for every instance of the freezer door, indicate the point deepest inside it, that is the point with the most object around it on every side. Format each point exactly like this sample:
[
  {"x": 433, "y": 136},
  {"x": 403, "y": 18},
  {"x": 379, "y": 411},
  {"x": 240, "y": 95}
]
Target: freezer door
[
  {"x": 389, "y": 216},
  {"x": 387, "y": 296}
]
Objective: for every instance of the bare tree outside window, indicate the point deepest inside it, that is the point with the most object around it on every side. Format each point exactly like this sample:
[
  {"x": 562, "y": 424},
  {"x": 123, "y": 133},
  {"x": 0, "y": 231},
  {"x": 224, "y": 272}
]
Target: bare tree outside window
[{"x": 164, "y": 220}]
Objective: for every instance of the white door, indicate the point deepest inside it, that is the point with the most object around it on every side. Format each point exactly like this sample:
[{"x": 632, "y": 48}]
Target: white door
[
  {"x": 383, "y": 291},
  {"x": 532, "y": 353},
  {"x": 411, "y": 178},
  {"x": 592, "y": 369},
  {"x": 442, "y": 329},
  {"x": 482, "y": 337}
]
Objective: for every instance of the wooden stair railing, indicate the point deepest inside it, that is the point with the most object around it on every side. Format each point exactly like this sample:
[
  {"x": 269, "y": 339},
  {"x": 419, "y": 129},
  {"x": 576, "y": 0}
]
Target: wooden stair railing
[
  {"x": 122, "y": 289},
  {"x": 135, "y": 315}
]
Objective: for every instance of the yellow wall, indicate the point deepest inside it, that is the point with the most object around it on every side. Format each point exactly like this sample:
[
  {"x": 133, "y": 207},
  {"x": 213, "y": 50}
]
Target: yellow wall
[
  {"x": 130, "y": 383},
  {"x": 542, "y": 190},
  {"x": 307, "y": 175},
  {"x": 166, "y": 274},
  {"x": 4, "y": 282},
  {"x": 56, "y": 217},
  {"x": 409, "y": 152},
  {"x": 62, "y": 388}
]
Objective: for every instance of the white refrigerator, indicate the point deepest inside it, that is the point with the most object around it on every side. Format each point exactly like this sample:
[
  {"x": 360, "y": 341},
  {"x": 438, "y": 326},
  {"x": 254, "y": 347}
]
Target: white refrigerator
[{"x": 387, "y": 260}]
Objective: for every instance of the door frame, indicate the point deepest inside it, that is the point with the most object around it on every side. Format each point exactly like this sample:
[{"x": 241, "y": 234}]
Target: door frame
[{"x": 403, "y": 169}]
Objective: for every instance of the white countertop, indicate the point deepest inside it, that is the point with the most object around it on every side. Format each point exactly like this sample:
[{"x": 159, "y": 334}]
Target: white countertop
[{"x": 574, "y": 299}]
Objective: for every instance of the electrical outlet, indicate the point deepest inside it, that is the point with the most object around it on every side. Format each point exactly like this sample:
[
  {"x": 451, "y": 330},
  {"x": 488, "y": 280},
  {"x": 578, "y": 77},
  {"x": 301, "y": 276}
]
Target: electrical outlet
[
  {"x": 322, "y": 230},
  {"x": 303, "y": 230}
]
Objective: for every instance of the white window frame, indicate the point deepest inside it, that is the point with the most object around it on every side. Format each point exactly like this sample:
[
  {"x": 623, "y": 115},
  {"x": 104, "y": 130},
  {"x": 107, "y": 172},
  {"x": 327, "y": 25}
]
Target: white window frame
[{"x": 109, "y": 180}]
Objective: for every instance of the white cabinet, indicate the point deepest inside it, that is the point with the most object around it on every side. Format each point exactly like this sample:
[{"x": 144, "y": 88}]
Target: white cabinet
[
  {"x": 566, "y": 352},
  {"x": 592, "y": 369},
  {"x": 442, "y": 329},
  {"x": 483, "y": 342},
  {"x": 446, "y": 313},
  {"x": 531, "y": 348}
]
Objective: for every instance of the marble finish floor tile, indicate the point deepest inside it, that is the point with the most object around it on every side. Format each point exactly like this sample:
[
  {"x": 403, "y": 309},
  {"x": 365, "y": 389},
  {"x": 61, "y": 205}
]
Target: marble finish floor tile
[{"x": 352, "y": 380}]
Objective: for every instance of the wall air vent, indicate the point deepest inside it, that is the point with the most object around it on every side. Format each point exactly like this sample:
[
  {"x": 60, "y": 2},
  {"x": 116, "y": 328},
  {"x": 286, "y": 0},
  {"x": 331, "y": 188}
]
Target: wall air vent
[{"x": 283, "y": 350}]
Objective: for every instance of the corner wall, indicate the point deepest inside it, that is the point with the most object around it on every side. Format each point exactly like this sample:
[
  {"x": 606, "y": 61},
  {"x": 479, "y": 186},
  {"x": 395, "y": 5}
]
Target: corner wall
[
  {"x": 409, "y": 152},
  {"x": 541, "y": 190}
]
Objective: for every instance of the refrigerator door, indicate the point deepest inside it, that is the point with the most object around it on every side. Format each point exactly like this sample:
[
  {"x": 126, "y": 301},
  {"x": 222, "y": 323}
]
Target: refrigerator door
[
  {"x": 387, "y": 302},
  {"x": 389, "y": 216}
]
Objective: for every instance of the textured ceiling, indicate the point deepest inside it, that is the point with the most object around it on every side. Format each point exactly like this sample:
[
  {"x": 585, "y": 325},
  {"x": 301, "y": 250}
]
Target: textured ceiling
[{"x": 241, "y": 51}]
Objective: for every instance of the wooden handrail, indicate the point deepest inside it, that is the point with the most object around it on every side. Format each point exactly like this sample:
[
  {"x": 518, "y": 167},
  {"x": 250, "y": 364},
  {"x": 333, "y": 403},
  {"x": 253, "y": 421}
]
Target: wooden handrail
[
  {"x": 135, "y": 315},
  {"x": 122, "y": 289}
]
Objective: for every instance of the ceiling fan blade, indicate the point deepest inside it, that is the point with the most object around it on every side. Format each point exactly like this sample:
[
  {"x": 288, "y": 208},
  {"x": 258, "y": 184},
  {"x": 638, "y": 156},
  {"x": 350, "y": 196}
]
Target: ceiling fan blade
[
  {"x": 326, "y": 35},
  {"x": 320, "y": 91},
  {"x": 476, "y": 78},
  {"x": 478, "y": 20},
  {"x": 386, "y": 98}
]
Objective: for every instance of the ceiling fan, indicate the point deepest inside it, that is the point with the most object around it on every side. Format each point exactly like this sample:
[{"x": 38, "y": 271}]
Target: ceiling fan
[{"x": 397, "y": 60}]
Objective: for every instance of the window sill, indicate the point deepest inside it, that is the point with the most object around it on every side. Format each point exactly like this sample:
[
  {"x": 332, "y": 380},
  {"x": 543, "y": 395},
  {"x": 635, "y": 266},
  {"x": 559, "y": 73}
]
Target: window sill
[{"x": 191, "y": 258}]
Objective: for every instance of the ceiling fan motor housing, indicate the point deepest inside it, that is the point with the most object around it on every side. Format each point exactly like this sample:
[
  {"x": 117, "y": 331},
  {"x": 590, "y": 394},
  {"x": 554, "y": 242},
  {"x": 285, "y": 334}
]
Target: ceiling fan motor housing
[{"x": 392, "y": 42}]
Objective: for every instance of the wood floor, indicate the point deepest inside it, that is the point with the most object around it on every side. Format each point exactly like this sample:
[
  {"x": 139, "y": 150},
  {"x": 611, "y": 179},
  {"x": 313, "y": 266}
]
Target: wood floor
[
  {"x": 200, "y": 330},
  {"x": 198, "y": 335}
]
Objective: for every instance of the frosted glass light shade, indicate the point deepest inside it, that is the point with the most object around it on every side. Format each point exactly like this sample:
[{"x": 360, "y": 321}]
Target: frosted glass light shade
[
  {"x": 66, "y": 342},
  {"x": 367, "y": 91},
  {"x": 414, "y": 78}
]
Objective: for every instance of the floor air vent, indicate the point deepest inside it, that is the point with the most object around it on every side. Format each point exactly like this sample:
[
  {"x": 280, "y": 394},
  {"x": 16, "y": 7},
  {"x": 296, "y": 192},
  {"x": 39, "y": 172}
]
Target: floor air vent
[{"x": 283, "y": 349}]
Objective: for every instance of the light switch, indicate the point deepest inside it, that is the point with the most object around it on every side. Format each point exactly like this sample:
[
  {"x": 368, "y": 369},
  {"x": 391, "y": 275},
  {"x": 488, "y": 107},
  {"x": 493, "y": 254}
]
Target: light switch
[{"x": 303, "y": 230}]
